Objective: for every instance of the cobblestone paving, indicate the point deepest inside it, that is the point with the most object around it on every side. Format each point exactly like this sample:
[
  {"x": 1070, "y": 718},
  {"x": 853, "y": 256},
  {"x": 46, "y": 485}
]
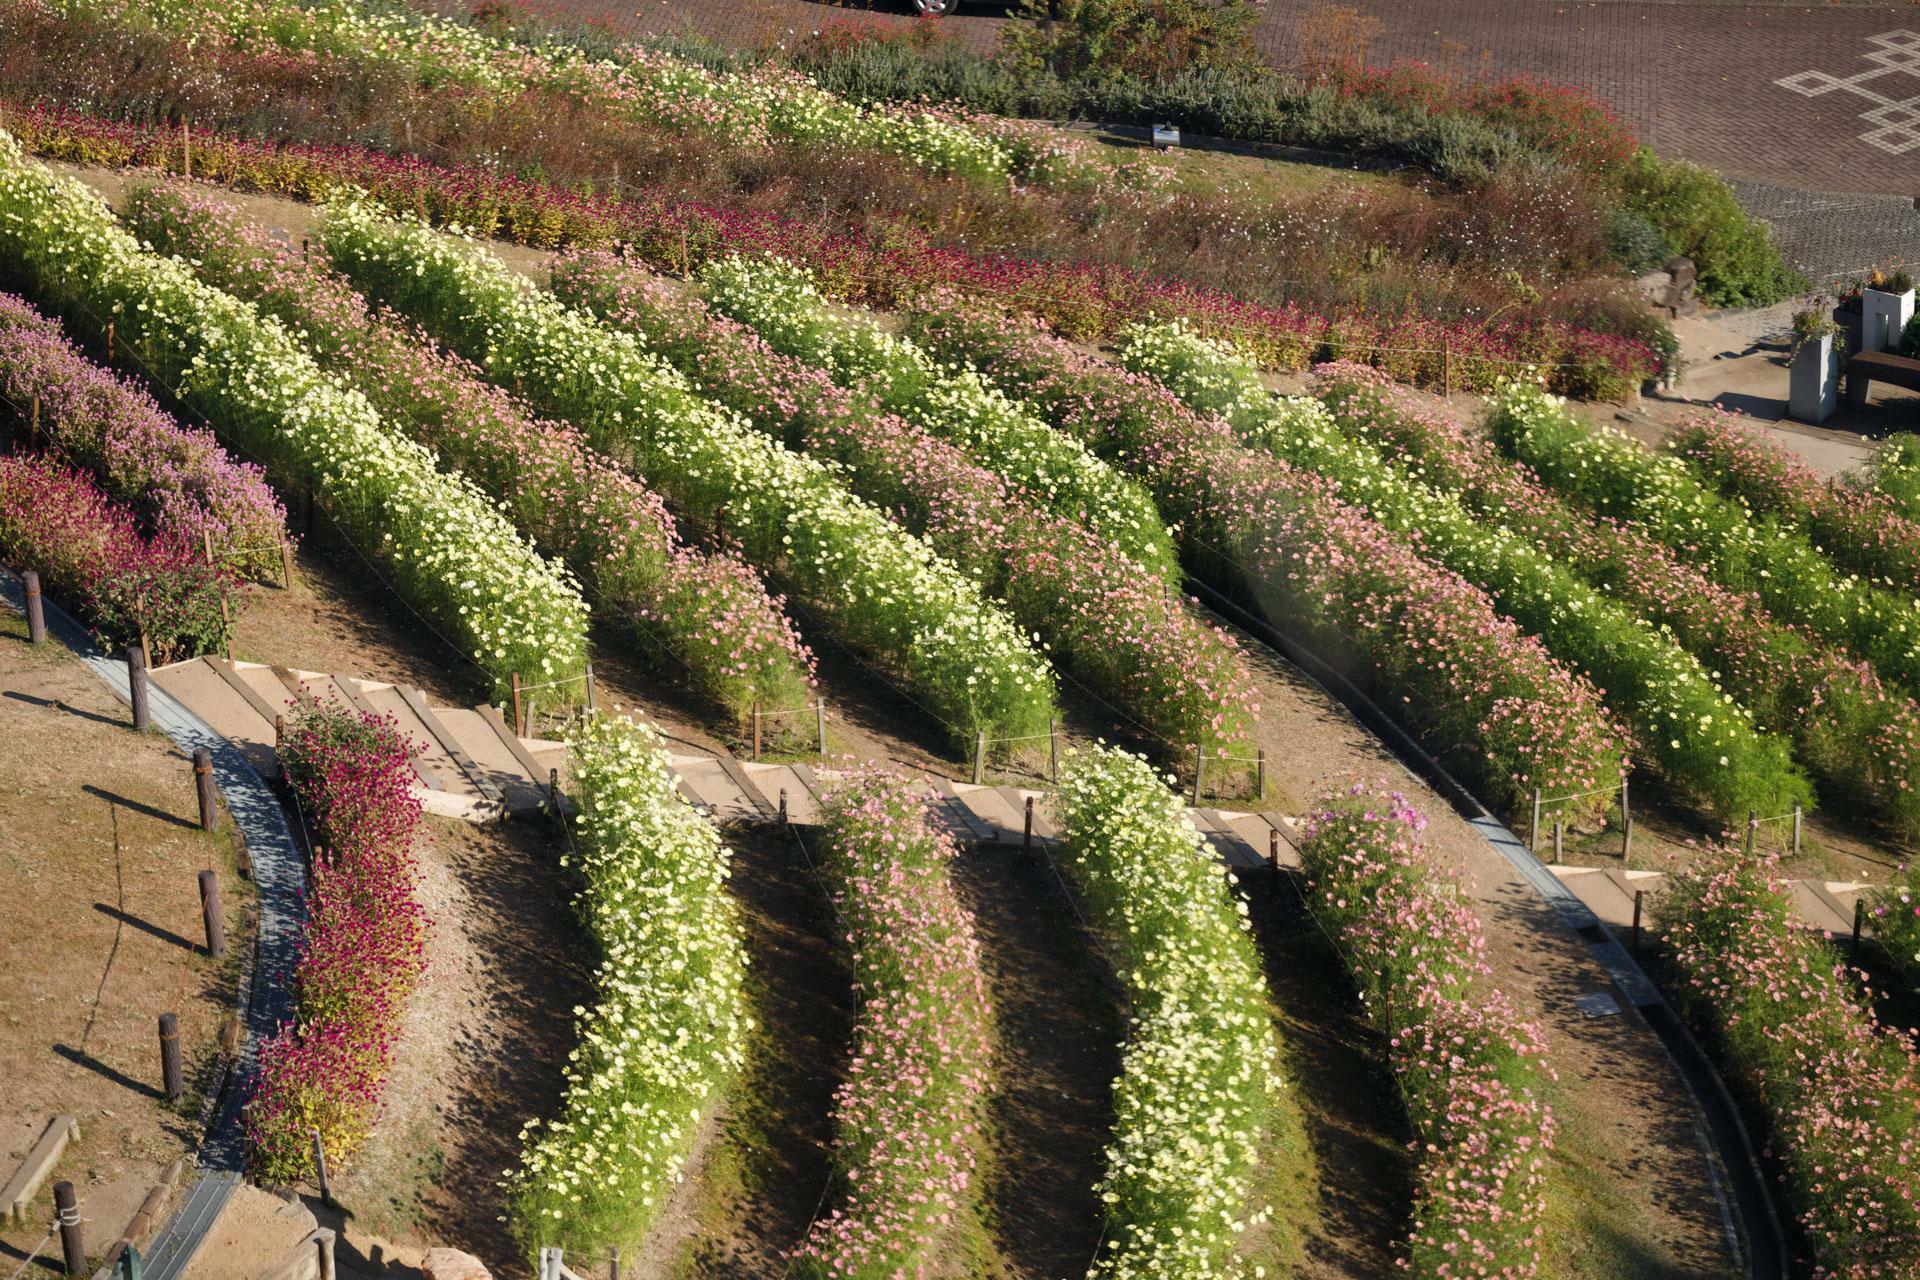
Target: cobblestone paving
[{"x": 1699, "y": 80}]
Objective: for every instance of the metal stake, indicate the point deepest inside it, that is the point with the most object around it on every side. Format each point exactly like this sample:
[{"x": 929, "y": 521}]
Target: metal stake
[
  {"x": 1753, "y": 828},
  {"x": 1273, "y": 851},
  {"x": 1053, "y": 751},
  {"x": 820, "y": 722},
  {"x": 1533, "y": 831},
  {"x": 980, "y": 759},
  {"x": 1558, "y": 830},
  {"x": 1639, "y": 896},
  {"x": 1797, "y": 816},
  {"x": 756, "y": 731},
  {"x": 590, "y": 701},
  {"x": 67, "y": 1211},
  {"x": 519, "y": 709},
  {"x": 1260, "y": 774},
  {"x": 1027, "y": 843},
  {"x": 783, "y": 806},
  {"x": 1199, "y": 771},
  {"x": 320, "y": 1168},
  {"x": 1859, "y": 918}
]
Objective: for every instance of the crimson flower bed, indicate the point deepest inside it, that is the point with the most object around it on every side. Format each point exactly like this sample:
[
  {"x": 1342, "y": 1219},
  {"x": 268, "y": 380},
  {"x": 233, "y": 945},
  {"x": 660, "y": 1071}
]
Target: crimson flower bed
[
  {"x": 364, "y": 948},
  {"x": 177, "y": 478},
  {"x": 1079, "y": 300},
  {"x": 89, "y": 552}
]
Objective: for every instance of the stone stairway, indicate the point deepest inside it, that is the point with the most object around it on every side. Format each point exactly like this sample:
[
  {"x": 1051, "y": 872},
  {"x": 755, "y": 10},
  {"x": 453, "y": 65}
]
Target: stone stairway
[
  {"x": 470, "y": 765},
  {"x": 1823, "y": 905}
]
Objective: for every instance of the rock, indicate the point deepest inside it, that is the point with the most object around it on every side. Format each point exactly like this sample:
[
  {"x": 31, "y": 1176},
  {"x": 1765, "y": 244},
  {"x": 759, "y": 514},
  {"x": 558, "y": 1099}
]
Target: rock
[{"x": 452, "y": 1264}]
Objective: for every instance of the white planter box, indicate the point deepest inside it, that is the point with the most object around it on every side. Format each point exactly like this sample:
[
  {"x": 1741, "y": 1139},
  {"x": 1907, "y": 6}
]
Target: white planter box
[
  {"x": 1883, "y": 318},
  {"x": 1813, "y": 388}
]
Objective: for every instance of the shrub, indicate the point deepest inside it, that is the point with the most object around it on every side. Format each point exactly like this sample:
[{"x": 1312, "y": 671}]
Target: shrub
[
  {"x": 887, "y": 593},
  {"x": 178, "y": 479},
  {"x": 362, "y": 951},
  {"x": 1635, "y": 243},
  {"x": 908, "y": 1119},
  {"x": 1096, "y": 41},
  {"x": 445, "y": 548},
  {"x": 1738, "y": 263},
  {"x": 1469, "y": 1069},
  {"x": 86, "y": 549},
  {"x": 1834, "y": 1085},
  {"x": 1910, "y": 339},
  {"x": 1199, "y": 1082},
  {"x": 710, "y": 612},
  {"x": 669, "y": 1023}
]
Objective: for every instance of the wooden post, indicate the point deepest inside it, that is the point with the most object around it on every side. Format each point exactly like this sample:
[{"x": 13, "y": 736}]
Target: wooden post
[
  {"x": 783, "y": 806},
  {"x": 519, "y": 709},
  {"x": 1859, "y": 918},
  {"x": 186, "y": 148},
  {"x": 1797, "y": 817},
  {"x": 1273, "y": 851},
  {"x": 1027, "y": 840},
  {"x": 286, "y": 564},
  {"x": 303, "y": 249},
  {"x": 171, "y": 1080},
  {"x": 1626, "y": 812},
  {"x": 137, "y": 688},
  {"x": 1259, "y": 774},
  {"x": 553, "y": 790},
  {"x": 33, "y": 424},
  {"x": 820, "y": 723},
  {"x": 1199, "y": 771},
  {"x": 66, "y": 1211},
  {"x": 1626, "y": 839},
  {"x": 1533, "y": 832},
  {"x": 1558, "y": 831},
  {"x": 280, "y": 742},
  {"x": 756, "y": 731},
  {"x": 613, "y": 1261},
  {"x": 1639, "y": 897},
  {"x": 1446, "y": 367},
  {"x": 590, "y": 698},
  {"x": 1753, "y": 828},
  {"x": 203, "y": 789},
  {"x": 980, "y": 759},
  {"x": 36, "y": 611},
  {"x": 109, "y": 342},
  {"x": 210, "y": 916},
  {"x": 1053, "y": 751},
  {"x": 408, "y": 126},
  {"x": 320, "y": 1168}
]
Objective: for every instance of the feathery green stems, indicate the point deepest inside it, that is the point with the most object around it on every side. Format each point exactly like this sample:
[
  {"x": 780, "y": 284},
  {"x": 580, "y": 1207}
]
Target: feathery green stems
[
  {"x": 1704, "y": 740},
  {"x": 448, "y": 553},
  {"x": 886, "y": 593},
  {"x": 951, "y": 401},
  {"x": 670, "y": 1024},
  {"x": 1199, "y": 1079}
]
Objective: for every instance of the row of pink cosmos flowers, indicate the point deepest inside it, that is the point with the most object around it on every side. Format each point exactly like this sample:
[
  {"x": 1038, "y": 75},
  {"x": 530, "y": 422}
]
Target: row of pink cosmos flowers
[
  {"x": 145, "y": 526},
  {"x": 1079, "y": 300}
]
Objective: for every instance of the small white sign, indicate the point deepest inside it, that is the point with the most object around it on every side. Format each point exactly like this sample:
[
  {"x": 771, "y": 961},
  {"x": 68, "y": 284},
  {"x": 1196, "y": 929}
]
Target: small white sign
[{"x": 1166, "y": 135}]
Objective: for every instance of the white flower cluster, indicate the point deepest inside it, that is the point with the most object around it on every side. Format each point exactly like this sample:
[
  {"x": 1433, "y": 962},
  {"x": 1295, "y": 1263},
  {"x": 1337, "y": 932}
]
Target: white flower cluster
[
  {"x": 1200, "y": 1073},
  {"x": 889, "y": 594},
  {"x": 952, "y": 401},
  {"x": 450, "y": 553},
  {"x": 671, "y": 1022}
]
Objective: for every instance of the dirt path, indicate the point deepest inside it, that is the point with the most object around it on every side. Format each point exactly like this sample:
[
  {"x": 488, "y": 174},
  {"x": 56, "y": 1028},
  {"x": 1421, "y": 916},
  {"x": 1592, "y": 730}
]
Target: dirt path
[
  {"x": 764, "y": 1177},
  {"x": 1059, "y": 1036}
]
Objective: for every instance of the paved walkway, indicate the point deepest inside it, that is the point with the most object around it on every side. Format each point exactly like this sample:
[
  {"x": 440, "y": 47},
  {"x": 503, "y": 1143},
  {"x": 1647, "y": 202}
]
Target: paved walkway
[{"x": 1698, "y": 80}]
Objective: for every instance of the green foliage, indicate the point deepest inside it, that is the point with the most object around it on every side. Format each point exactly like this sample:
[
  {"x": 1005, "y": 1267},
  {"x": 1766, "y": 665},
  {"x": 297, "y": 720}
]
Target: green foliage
[
  {"x": 1094, "y": 41},
  {"x": 1910, "y": 339},
  {"x": 1739, "y": 264},
  {"x": 1636, "y": 244}
]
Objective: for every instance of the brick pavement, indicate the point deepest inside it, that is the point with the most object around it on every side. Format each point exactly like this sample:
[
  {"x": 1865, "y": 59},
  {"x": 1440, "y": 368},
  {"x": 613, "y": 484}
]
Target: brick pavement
[{"x": 1698, "y": 79}]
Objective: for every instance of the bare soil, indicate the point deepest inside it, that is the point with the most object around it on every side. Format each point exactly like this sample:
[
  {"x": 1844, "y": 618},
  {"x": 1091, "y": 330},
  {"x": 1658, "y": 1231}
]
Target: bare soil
[{"x": 100, "y": 932}]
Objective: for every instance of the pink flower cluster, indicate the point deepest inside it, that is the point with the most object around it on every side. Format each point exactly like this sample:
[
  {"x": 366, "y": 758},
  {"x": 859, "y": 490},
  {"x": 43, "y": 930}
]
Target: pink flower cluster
[
  {"x": 87, "y": 551},
  {"x": 1862, "y": 529},
  {"x": 1469, "y": 1068},
  {"x": 887, "y": 269},
  {"x": 364, "y": 949},
  {"x": 1446, "y": 662},
  {"x": 1116, "y": 629},
  {"x": 711, "y": 611},
  {"x": 1839, "y": 1089},
  {"x": 177, "y": 478},
  {"x": 908, "y": 1119},
  {"x": 1858, "y": 737}
]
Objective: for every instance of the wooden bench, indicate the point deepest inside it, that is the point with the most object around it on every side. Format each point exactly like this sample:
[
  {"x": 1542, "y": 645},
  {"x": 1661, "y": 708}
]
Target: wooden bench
[{"x": 1869, "y": 367}]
